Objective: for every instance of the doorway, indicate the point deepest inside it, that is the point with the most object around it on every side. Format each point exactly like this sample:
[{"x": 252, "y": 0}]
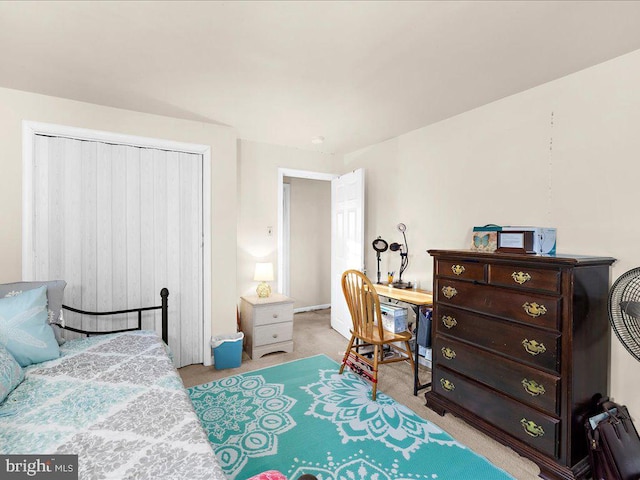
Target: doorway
[
  {"x": 307, "y": 243},
  {"x": 302, "y": 192},
  {"x": 347, "y": 230}
]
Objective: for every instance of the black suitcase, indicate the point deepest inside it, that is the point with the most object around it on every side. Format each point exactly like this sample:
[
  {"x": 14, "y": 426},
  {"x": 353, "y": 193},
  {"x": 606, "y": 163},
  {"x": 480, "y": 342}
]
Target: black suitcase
[{"x": 614, "y": 445}]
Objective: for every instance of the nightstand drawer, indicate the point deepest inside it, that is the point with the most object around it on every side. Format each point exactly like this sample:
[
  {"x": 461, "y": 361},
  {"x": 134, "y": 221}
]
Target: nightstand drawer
[
  {"x": 268, "y": 334},
  {"x": 275, "y": 313}
]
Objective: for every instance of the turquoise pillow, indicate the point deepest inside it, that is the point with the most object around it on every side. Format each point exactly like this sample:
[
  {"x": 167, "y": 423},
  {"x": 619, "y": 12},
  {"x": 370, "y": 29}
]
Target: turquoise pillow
[
  {"x": 11, "y": 374},
  {"x": 24, "y": 330}
]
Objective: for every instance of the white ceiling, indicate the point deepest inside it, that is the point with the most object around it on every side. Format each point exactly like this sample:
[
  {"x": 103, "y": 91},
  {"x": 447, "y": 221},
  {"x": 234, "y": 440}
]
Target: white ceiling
[{"x": 355, "y": 72}]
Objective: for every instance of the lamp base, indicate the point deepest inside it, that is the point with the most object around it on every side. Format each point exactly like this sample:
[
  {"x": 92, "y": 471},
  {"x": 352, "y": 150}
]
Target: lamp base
[{"x": 263, "y": 290}]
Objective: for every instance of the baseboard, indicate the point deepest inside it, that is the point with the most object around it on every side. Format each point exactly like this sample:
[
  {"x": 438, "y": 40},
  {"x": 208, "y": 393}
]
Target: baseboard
[{"x": 309, "y": 309}]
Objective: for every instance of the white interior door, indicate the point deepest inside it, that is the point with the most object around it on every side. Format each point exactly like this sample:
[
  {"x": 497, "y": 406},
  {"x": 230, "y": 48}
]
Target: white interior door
[
  {"x": 118, "y": 223},
  {"x": 347, "y": 241}
]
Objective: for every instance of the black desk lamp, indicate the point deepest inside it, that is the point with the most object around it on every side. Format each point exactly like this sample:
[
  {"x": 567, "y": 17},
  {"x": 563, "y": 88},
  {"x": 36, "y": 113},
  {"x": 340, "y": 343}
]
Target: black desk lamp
[
  {"x": 379, "y": 245},
  {"x": 404, "y": 257}
]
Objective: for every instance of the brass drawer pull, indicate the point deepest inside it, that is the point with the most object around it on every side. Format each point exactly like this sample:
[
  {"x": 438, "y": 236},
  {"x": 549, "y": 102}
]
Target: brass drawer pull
[
  {"x": 531, "y": 428},
  {"x": 448, "y": 353},
  {"x": 449, "y": 292},
  {"x": 533, "y": 309},
  {"x": 447, "y": 385},
  {"x": 532, "y": 387},
  {"x": 457, "y": 269},
  {"x": 520, "y": 277},
  {"x": 449, "y": 322},
  {"x": 533, "y": 347}
]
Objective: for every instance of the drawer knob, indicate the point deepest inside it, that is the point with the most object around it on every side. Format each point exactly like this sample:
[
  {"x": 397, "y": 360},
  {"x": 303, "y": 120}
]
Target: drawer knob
[
  {"x": 533, "y": 309},
  {"x": 448, "y": 353},
  {"x": 448, "y": 321},
  {"x": 449, "y": 292},
  {"x": 275, "y": 315},
  {"x": 457, "y": 269},
  {"x": 532, "y": 387},
  {"x": 447, "y": 385},
  {"x": 275, "y": 335},
  {"x": 533, "y": 347},
  {"x": 520, "y": 277},
  {"x": 531, "y": 428}
]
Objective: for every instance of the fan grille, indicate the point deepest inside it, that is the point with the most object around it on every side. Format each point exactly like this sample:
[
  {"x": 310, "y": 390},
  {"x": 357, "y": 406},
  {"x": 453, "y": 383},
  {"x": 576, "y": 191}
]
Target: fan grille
[{"x": 626, "y": 326}]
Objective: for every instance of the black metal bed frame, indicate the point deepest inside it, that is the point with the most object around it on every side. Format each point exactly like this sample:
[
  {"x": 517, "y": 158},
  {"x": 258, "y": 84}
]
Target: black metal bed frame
[{"x": 164, "y": 294}]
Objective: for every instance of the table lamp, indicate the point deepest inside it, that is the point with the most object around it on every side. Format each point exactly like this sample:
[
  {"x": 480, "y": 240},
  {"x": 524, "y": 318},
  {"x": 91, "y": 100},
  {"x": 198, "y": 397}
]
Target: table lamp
[{"x": 264, "y": 274}]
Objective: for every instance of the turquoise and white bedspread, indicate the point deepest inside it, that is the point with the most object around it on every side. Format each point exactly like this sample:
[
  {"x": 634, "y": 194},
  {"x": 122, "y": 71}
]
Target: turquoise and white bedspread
[{"x": 118, "y": 403}]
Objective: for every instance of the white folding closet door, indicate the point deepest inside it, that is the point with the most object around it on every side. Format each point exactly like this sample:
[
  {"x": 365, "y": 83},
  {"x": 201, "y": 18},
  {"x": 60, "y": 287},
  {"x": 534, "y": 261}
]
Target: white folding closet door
[{"x": 118, "y": 223}]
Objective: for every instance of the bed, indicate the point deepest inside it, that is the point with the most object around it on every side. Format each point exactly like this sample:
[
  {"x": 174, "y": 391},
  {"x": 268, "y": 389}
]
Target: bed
[
  {"x": 117, "y": 402},
  {"x": 113, "y": 398}
]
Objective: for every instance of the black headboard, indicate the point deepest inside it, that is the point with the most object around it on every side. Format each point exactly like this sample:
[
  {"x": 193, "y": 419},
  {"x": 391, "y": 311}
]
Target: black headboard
[{"x": 164, "y": 294}]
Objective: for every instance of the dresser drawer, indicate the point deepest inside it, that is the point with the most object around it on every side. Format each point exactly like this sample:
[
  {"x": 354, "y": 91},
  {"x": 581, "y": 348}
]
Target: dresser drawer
[
  {"x": 463, "y": 270},
  {"x": 528, "y": 425},
  {"x": 279, "y": 312},
  {"x": 268, "y": 334},
  {"x": 534, "y": 346},
  {"x": 532, "y": 308},
  {"x": 519, "y": 381},
  {"x": 524, "y": 277}
]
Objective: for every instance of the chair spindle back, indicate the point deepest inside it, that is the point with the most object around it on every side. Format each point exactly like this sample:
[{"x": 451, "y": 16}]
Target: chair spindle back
[{"x": 363, "y": 303}]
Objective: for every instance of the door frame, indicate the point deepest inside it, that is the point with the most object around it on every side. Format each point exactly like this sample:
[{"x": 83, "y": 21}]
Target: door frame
[
  {"x": 289, "y": 172},
  {"x": 29, "y": 131}
]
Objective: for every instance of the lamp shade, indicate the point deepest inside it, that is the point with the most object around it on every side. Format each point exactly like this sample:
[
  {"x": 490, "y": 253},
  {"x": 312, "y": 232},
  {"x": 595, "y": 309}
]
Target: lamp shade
[{"x": 264, "y": 272}]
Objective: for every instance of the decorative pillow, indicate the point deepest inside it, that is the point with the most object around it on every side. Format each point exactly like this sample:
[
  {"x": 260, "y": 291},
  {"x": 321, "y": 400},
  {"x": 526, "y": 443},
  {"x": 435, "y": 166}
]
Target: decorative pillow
[
  {"x": 11, "y": 374},
  {"x": 24, "y": 330},
  {"x": 55, "y": 292}
]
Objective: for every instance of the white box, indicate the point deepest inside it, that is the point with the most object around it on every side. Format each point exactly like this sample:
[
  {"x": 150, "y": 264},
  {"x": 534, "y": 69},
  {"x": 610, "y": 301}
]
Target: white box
[
  {"x": 544, "y": 239},
  {"x": 394, "y": 318}
]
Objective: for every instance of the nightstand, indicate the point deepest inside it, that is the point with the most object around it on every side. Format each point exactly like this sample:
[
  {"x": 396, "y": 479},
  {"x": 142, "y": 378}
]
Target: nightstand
[{"x": 267, "y": 324}]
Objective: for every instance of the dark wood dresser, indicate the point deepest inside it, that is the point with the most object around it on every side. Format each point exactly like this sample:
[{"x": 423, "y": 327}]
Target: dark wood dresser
[{"x": 520, "y": 348}]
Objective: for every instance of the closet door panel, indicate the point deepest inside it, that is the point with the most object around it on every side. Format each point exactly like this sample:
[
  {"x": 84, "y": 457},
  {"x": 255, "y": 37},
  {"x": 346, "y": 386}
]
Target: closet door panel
[
  {"x": 133, "y": 235},
  {"x": 72, "y": 245}
]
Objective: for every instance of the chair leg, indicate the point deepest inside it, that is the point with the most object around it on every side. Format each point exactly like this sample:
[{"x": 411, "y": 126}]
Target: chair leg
[
  {"x": 376, "y": 356},
  {"x": 346, "y": 354},
  {"x": 413, "y": 364}
]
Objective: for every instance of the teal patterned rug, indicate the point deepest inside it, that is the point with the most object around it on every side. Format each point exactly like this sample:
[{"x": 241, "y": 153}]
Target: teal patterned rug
[{"x": 302, "y": 417}]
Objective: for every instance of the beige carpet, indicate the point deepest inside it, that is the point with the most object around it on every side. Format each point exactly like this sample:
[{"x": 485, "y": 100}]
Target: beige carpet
[{"x": 313, "y": 335}]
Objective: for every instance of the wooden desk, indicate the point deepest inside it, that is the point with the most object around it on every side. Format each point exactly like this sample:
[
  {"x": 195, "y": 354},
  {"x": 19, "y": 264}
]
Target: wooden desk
[{"x": 417, "y": 299}]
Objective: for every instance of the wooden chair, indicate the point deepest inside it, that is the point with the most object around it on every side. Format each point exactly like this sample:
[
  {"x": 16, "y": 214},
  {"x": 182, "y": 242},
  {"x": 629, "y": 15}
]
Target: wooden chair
[{"x": 364, "y": 306}]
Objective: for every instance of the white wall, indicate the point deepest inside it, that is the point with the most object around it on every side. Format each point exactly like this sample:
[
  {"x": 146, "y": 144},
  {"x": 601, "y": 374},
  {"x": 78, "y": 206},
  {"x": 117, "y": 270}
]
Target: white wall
[
  {"x": 310, "y": 252},
  {"x": 16, "y": 106},
  {"x": 258, "y": 165},
  {"x": 564, "y": 154}
]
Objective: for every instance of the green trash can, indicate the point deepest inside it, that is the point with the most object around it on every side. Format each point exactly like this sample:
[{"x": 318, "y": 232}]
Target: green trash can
[{"x": 227, "y": 350}]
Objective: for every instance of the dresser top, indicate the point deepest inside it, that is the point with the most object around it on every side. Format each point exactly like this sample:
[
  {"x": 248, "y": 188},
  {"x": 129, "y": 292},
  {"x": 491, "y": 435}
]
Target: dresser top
[
  {"x": 273, "y": 298},
  {"x": 559, "y": 259}
]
